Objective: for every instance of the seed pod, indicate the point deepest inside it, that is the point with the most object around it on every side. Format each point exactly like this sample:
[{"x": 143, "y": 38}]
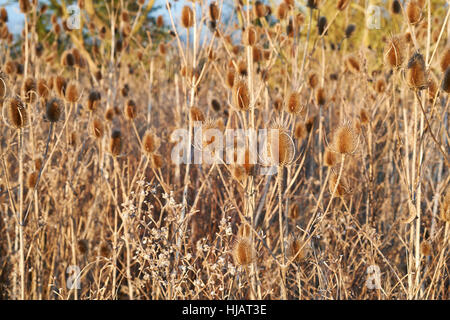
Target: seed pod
[
  {"x": 130, "y": 109},
  {"x": 72, "y": 93},
  {"x": 259, "y": 9},
  {"x": 445, "y": 208},
  {"x": 425, "y": 248},
  {"x": 215, "y": 105},
  {"x": 416, "y": 75},
  {"x": 243, "y": 252},
  {"x": 413, "y": 12},
  {"x": 160, "y": 21},
  {"x": 396, "y": 7},
  {"x": 109, "y": 114},
  {"x": 342, "y": 4},
  {"x": 93, "y": 100},
  {"x": 293, "y": 103},
  {"x": 115, "y": 145},
  {"x": 32, "y": 179},
  {"x": 294, "y": 211},
  {"x": 53, "y": 110},
  {"x": 97, "y": 128},
  {"x": 313, "y": 4},
  {"x": 445, "y": 60},
  {"x": 29, "y": 90},
  {"x": 3, "y": 15},
  {"x": 82, "y": 246},
  {"x": 196, "y": 114},
  {"x": 250, "y": 36},
  {"x": 345, "y": 140},
  {"x": 157, "y": 161},
  {"x": 282, "y": 11},
  {"x": 281, "y": 149},
  {"x": 342, "y": 188},
  {"x": 349, "y": 30},
  {"x": 14, "y": 113},
  {"x": 329, "y": 158},
  {"x": 432, "y": 90},
  {"x": 313, "y": 80},
  {"x": 187, "y": 17},
  {"x": 446, "y": 81},
  {"x": 213, "y": 11},
  {"x": 24, "y": 6},
  {"x": 241, "y": 96},
  {"x": 60, "y": 85},
  {"x": 321, "y": 25},
  {"x": 42, "y": 88},
  {"x": 67, "y": 59},
  {"x": 150, "y": 143},
  {"x": 394, "y": 53},
  {"x": 38, "y": 164},
  {"x": 296, "y": 252},
  {"x": 380, "y": 85},
  {"x": 105, "y": 250},
  {"x": 364, "y": 116},
  {"x": 352, "y": 64},
  {"x": 300, "y": 131}
]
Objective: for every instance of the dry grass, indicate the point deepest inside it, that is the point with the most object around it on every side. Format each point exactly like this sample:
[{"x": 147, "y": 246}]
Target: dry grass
[{"x": 88, "y": 186}]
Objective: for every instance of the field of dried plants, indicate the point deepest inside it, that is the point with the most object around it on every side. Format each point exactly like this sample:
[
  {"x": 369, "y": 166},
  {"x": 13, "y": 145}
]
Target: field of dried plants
[{"x": 350, "y": 199}]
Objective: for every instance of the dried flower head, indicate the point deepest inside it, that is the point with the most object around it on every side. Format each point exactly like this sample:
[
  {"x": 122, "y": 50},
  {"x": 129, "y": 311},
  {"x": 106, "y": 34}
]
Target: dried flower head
[
  {"x": 445, "y": 208},
  {"x": 29, "y": 90},
  {"x": 150, "y": 142},
  {"x": 115, "y": 145},
  {"x": 329, "y": 158},
  {"x": 446, "y": 81},
  {"x": 187, "y": 17},
  {"x": 445, "y": 60},
  {"x": 243, "y": 252},
  {"x": 296, "y": 252},
  {"x": 345, "y": 139},
  {"x": 93, "y": 101},
  {"x": 53, "y": 109},
  {"x": 413, "y": 12},
  {"x": 394, "y": 53},
  {"x": 425, "y": 248},
  {"x": 342, "y": 4},
  {"x": 196, "y": 114},
  {"x": 130, "y": 109},
  {"x": 416, "y": 75},
  {"x": 241, "y": 96},
  {"x": 97, "y": 128},
  {"x": 293, "y": 103},
  {"x": 320, "y": 96},
  {"x": 15, "y": 113}
]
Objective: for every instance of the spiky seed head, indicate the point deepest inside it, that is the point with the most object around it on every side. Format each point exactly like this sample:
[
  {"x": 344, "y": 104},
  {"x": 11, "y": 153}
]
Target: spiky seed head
[
  {"x": 432, "y": 90},
  {"x": 281, "y": 148},
  {"x": 187, "y": 17},
  {"x": 241, "y": 96},
  {"x": 426, "y": 248},
  {"x": 342, "y": 188},
  {"x": 243, "y": 252},
  {"x": 97, "y": 128},
  {"x": 15, "y": 113},
  {"x": 105, "y": 250},
  {"x": 250, "y": 36},
  {"x": 239, "y": 173},
  {"x": 93, "y": 102},
  {"x": 38, "y": 164},
  {"x": 230, "y": 78},
  {"x": 130, "y": 109},
  {"x": 321, "y": 97},
  {"x": 445, "y": 60},
  {"x": 278, "y": 103},
  {"x": 29, "y": 90},
  {"x": 10, "y": 67},
  {"x": 259, "y": 9},
  {"x": 72, "y": 92},
  {"x": 3, "y": 15},
  {"x": 42, "y": 88},
  {"x": 196, "y": 114},
  {"x": 364, "y": 116},
  {"x": 380, "y": 85},
  {"x": 349, "y": 30},
  {"x": 294, "y": 211},
  {"x": 352, "y": 64},
  {"x": 213, "y": 11},
  {"x": 150, "y": 143},
  {"x": 60, "y": 85},
  {"x": 67, "y": 59},
  {"x": 242, "y": 68},
  {"x": 329, "y": 158},
  {"x": 321, "y": 25},
  {"x": 115, "y": 145},
  {"x": 300, "y": 131},
  {"x": 157, "y": 161},
  {"x": 24, "y": 6},
  {"x": 2, "y": 85},
  {"x": 32, "y": 179},
  {"x": 82, "y": 246},
  {"x": 313, "y": 4},
  {"x": 282, "y": 11},
  {"x": 416, "y": 75},
  {"x": 396, "y": 7},
  {"x": 345, "y": 139},
  {"x": 342, "y": 4},
  {"x": 290, "y": 3},
  {"x": 73, "y": 139},
  {"x": 160, "y": 21},
  {"x": 293, "y": 103},
  {"x": 215, "y": 105},
  {"x": 394, "y": 52},
  {"x": 109, "y": 114},
  {"x": 53, "y": 109},
  {"x": 446, "y": 81},
  {"x": 413, "y": 12}
]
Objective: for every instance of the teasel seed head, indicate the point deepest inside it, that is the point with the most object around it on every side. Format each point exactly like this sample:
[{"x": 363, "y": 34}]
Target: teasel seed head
[
  {"x": 342, "y": 188},
  {"x": 250, "y": 36},
  {"x": 3, "y": 15},
  {"x": 394, "y": 53},
  {"x": 329, "y": 158},
  {"x": 105, "y": 250},
  {"x": 24, "y": 6},
  {"x": 259, "y": 9},
  {"x": 243, "y": 252},
  {"x": 67, "y": 59},
  {"x": 2, "y": 85},
  {"x": 38, "y": 164},
  {"x": 109, "y": 114},
  {"x": 93, "y": 102},
  {"x": 32, "y": 179},
  {"x": 15, "y": 113},
  {"x": 313, "y": 4},
  {"x": 446, "y": 81},
  {"x": 115, "y": 144},
  {"x": 413, "y": 12},
  {"x": 445, "y": 60},
  {"x": 432, "y": 90},
  {"x": 230, "y": 78},
  {"x": 364, "y": 116},
  {"x": 396, "y": 7},
  {"x": 42, "y": 89},
  {"x": 157, "y": 161},
  {"x": 426, "y": 248},
  {"x": 294, "y": 211},
  {"x": 10, "y": 67},
  {"x": 416, "y": 75},
  {"x": 321, "y": 25},
  {"x": 293, "y": 103},
  {"x": 97, "y": 128},
  {"x": 282, "y": 11},
  {"x": 72, "y": 93},
  {"x": 213, "y": 11},
  {"x": 345, "y": 139},
  {"x": 215, "y": 105},
  {"x": 29, "y": 90},
  {"x": 160, "y": 21},
  {"x": 342, "y": 4},
  {"x": 380, "y": 85},
  {"x": 53, "y": 110},
  {"x": 321, "y": 96},
  {"x": 60, "y": 85},
  {"x": 281, "y": 148},
  {"x": 82, "y": 246},
  {"x": 150, "y": 143},
  {"x": 241, "y": 96},
  {"x": 73, "y": 139},
  {"x": 244, "y": 231},
  {"x": 196, "y": 114},
  {"x": 349, "y": 30},
  {"x": 352, "y": 64},
  {"x": 239, "y": 173},
  {"x": 187, "y": 17},
  {"x": 300, "y": 131},
  {"x": 130, "y": 109}
]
